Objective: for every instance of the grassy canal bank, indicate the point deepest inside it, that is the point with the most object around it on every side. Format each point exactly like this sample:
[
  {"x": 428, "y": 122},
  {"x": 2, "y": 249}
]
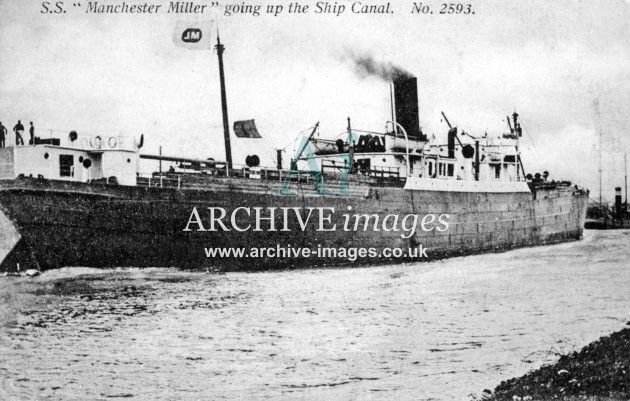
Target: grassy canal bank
[{"x": 600, "y": 371}]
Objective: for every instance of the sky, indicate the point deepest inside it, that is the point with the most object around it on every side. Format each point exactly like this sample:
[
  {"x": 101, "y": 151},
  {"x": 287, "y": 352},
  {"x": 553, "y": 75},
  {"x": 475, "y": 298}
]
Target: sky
[{"x": 123, "y": 75}]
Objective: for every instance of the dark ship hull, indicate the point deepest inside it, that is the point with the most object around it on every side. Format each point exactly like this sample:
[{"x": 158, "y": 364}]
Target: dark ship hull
[
  {"x": 49, "y": 224},
  {"x": 607, "y": 224}
]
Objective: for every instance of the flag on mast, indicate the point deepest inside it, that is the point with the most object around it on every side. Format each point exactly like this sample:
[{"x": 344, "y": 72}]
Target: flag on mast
[
  {"x": 246, "y": 129},
  {"x": 193, "y": 35}
]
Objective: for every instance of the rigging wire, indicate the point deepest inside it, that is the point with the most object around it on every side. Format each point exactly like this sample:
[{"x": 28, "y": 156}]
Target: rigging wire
[
  {"x": 297, "y": 137},
  {"x": 531, "y": 138}
]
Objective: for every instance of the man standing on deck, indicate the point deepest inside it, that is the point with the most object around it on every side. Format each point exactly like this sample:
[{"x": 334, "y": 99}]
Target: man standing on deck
[
  {"x": 31, "y": 131},
  {"x": 18, "y": 129},
  {"x": 3, "y": 134}
]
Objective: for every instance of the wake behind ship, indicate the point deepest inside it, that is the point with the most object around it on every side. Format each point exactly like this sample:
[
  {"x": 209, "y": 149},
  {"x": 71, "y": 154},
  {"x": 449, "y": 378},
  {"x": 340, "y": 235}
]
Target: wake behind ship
[{"x": 80, "y": 200}]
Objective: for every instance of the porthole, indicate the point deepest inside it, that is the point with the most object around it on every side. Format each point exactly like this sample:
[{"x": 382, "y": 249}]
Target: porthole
[{"x": 46, "y": 155}]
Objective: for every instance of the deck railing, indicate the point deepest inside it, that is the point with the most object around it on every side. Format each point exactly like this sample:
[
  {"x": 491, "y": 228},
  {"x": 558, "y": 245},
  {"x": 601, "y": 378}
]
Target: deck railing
[
  {"x": 57, "y": 137},
  {"x": 178, "y": 180}
]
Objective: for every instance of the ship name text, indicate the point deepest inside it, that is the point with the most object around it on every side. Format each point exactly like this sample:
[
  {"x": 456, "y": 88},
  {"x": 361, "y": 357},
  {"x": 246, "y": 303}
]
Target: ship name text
[{"x": 173, "y": 7}]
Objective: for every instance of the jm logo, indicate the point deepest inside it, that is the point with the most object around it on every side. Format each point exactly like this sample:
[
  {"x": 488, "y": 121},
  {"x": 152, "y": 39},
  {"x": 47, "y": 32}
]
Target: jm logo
[
  {"x": 315, "y": 172},
  {"x": 191, "y": 35}
]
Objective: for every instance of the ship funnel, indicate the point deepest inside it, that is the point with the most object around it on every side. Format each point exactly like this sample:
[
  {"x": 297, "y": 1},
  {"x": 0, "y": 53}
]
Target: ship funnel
[
  {"x": 618, "y": 208},
  {"x": 406, "y": 101}
]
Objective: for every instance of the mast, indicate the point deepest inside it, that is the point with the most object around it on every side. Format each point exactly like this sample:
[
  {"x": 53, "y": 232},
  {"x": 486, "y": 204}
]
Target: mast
[
  {"x": 599, "y": 127},
  {"x": 391, "y": 100},
  {"x": 350, "y": 143},
  {"x": 226, "y": 126},
  {"x": 625, "y": 168}
]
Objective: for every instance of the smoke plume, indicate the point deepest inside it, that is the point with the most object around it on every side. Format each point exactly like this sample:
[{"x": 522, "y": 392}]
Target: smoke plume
[{"x": 366, "y": 66}]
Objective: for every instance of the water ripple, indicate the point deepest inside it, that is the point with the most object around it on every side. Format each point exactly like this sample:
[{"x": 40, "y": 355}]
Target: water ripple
[{"x": 438, "y": 330}]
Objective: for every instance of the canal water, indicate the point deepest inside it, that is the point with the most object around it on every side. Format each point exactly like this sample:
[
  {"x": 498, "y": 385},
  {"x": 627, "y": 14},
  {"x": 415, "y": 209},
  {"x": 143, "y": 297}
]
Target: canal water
[{"x": 440, "y": 330}]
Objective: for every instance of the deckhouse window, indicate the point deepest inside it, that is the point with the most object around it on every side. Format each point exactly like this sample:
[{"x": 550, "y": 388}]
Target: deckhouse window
[
  {"x": 451, "y": 169},
  {"x": 66, "y": 165},
  {"x": 497, "y": 171}
]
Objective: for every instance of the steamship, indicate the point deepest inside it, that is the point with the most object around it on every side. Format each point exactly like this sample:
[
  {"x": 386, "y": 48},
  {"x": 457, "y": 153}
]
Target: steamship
[
  {"x": 79, "y": 200},
  {"x": 602, "y": 217}
]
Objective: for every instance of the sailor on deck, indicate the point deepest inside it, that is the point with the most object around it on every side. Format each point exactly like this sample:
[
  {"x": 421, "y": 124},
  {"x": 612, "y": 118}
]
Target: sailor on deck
[
  {"x": 18, "y": 129},
  {"x": 31, "y": 131},
  {"x": 3, "y": 134}
]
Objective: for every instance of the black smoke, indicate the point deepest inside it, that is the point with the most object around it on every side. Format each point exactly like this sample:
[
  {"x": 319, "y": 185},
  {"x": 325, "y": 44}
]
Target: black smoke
[{"x": 365, "y": 65}]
